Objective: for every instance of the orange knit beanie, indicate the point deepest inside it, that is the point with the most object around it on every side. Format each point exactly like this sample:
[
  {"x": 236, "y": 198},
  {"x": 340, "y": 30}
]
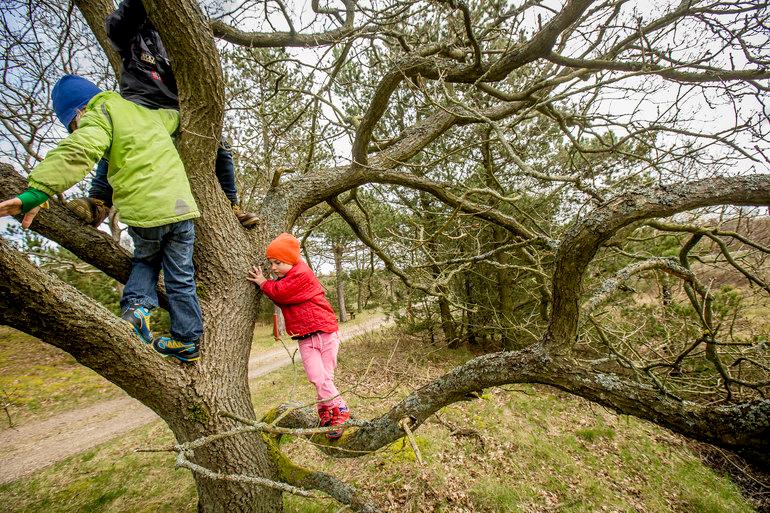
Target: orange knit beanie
[{"x": 285, "y": 248}]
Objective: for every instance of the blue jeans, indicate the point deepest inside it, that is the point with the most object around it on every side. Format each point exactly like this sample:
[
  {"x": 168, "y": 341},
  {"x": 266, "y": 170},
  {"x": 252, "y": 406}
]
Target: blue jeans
[
  {"x": 168, "y": 247},
  {"x": 225, "y": 170}
]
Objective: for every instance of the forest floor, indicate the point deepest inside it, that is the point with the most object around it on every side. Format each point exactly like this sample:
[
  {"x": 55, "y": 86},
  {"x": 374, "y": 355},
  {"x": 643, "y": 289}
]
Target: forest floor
[
  {"x": 518, "y": 448},
  {"x": 33, "y": 445}
]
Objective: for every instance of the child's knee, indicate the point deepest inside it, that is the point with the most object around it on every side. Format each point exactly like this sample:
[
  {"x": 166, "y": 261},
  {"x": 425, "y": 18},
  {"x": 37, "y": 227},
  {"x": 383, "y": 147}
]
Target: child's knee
[
  {"x": 315, "y": 373},
  {"x": 317, "y": 378}
]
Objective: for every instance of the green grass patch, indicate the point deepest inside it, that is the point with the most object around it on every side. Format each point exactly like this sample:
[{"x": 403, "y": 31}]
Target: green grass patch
[
  {"x": 38, "y": 380},
  {"x": 516, "y": 449},
  {"x": 111, "y": 477},
  {"x": 593, "y": 434}
]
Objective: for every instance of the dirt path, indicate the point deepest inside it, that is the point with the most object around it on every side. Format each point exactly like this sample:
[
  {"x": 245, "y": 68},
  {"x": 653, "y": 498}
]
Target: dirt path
[{"x": 31, "y": 447}]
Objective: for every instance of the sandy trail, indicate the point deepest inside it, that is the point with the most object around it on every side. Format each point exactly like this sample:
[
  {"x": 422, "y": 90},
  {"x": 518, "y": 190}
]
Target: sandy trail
[{"x": 31, "y": 447}]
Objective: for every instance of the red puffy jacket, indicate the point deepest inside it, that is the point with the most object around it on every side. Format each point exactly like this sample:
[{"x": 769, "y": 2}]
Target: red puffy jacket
[{"x": 301, "y": 298}]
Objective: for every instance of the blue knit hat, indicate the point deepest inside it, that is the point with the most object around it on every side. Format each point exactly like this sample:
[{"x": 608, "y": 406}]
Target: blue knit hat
[{"x": 70, "y": 94}]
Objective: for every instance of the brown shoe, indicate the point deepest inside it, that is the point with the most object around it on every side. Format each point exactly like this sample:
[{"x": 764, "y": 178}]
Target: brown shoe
[
  {"x": 91, "y": 210},
  {"x": 247, "y": 219}
]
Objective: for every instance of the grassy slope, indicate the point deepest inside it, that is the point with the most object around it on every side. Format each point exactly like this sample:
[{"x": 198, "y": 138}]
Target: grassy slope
[
  {"x": 38, "y": 380},
  {"x": 519, "y": 448}
]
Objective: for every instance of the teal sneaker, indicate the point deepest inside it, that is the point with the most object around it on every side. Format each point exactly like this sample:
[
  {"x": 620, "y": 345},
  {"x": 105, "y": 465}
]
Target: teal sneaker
[
  {"x": 139, "y": 317},
  {"x": 182, "y": 351}
]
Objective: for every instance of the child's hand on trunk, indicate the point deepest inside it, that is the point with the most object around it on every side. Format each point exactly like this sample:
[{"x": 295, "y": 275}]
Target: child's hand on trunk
[{"x": 256, "y": 276}]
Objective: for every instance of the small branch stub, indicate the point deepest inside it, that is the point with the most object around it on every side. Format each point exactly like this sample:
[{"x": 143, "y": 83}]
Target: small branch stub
[{"x": 405, "y": 425}]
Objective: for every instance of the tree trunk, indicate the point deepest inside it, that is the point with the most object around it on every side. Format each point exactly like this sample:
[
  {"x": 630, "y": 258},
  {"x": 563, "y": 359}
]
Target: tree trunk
[
  {"x": 470, "y": 330},
  {"x": 666, "y": 295},
  {"x": 241, "y": 455},
  {"x": 448, "y": 324},
  {"x": 359, "y": 285},
  {"x": 338, "y": 253},
  {"x": 280, "y": 323},
  {"x": 359, "y": 294},
  {"x": 505, "y": 287},
  {"x": 505, "y": 282}
]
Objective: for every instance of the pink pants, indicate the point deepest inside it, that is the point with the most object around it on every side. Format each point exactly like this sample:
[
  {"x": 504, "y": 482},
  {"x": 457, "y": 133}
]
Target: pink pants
[{"x": 319, "y": 357}]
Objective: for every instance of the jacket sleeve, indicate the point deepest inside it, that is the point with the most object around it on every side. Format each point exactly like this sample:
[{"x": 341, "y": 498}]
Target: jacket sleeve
[
  {"x": 291, "y": 289},
  {"x": 74, "y": 157},
  {"x": 31, "y": 198},
  {"x": 124, "y": 23}
]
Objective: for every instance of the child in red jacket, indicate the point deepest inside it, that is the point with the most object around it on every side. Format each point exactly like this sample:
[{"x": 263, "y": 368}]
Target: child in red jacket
[{"x": 310, "y": 321}]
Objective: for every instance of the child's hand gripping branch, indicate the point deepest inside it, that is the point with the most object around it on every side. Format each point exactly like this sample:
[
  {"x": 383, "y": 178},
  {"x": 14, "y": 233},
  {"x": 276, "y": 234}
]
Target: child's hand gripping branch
[
  {"x": 310, "y": 321},
  {"x": 28, "y": 203},
  {"x": 13, "y": 207}
]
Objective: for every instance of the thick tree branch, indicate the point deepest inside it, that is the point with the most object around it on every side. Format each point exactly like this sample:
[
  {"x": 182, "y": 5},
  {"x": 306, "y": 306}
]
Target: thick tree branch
[
  {"x": 292, "y": 39},
  {"x": 37, "y": 303},
  {"x": 63, "y": 227},
  {"x": 581, "y": 243},
  {"x": 744, "y": 428},
  {"x": 488, "y": 370}
]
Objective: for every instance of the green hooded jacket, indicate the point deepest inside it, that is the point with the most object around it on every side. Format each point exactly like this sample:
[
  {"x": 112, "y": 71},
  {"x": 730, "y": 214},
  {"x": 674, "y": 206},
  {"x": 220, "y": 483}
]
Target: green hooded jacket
[{"x": 148, "y": 178}]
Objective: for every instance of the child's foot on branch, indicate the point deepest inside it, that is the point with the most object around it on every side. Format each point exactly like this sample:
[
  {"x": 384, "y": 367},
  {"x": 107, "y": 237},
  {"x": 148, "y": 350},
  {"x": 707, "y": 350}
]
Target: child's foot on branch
[
  {"x": 247, "y": 219},
  {"x": 340, "y": 415},
  {"x": 324, "y": 416},
  {"x": 139, "y": 317},
  {"x": 182, "y": 351}
]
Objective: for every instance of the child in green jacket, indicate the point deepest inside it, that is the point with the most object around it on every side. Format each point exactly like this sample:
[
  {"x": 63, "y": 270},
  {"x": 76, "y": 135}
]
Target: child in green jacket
[{"x": 151, "y": 194}]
